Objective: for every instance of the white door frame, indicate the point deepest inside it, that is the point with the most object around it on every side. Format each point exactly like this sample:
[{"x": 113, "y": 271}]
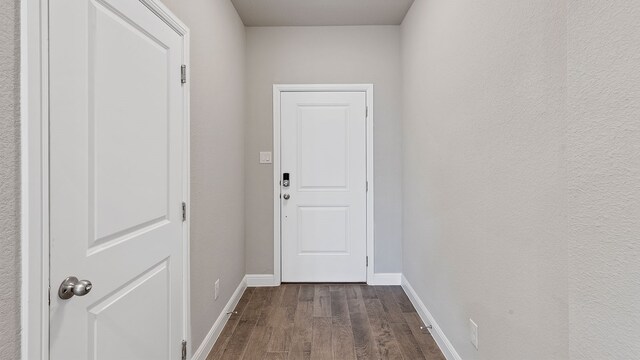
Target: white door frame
[
  {"x": 34, "y": 118},
  {"x": 278, "y": 89}
]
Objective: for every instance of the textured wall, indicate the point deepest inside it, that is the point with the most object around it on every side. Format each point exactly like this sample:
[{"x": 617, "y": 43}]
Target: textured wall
[
  {"x": 9, "y": 179},
  {"x": 604, "y": 179},
  {"x": 484, "y": 172},
  {"x": 217, "y": 155},
  {"x": 338, "y": 55}
]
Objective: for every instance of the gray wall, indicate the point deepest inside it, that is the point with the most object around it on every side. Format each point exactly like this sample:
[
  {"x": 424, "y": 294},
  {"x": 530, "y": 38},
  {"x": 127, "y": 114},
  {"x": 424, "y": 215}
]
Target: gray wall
[
  {"x": 604, "y": 179},
  {"x": 217, "y": 155},
  {"x": 9, "y": 179},
  {"x": 484, "y": 173},
  {"x": 298, "y": 55}
]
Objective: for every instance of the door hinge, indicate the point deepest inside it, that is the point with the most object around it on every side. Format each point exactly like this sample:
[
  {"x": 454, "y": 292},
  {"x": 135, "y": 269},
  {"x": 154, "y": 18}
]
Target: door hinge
[
  {"x": 49, "y": 295},
  {"x": 184, "y": 350},
  {"x": 367, "y": 112},
  {"x": 367, "y": 186},
  {"x": 367, "y": 261},
  {"x": 183, "y": 74},
  {"x": 184, "y": 211}
]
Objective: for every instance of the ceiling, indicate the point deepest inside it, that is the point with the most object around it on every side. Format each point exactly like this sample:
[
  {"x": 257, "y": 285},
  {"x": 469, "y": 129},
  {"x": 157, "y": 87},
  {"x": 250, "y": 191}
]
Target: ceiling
[{"x": 321, "y": 12}]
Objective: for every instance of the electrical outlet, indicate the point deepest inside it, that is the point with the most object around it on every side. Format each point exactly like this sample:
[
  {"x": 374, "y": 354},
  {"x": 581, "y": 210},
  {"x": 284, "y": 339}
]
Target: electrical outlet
[
  {"x": 473, "y": 333},
  {"x": 216, "y": 290}
]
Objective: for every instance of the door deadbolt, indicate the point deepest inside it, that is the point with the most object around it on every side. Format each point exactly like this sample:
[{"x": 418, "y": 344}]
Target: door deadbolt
[{"x": 285, "y": 180}]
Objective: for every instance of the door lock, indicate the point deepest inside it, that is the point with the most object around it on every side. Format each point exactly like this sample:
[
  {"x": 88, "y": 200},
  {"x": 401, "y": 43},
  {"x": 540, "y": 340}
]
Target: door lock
[
  {"x": 285, "y": 180},
  {"x": 71, "y": 287}
]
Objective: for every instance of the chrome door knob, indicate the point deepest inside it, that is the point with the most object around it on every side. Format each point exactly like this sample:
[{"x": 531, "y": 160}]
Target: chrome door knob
[
  {"x": 71, "y": 287},
  {"x": 286, "y": 196}
]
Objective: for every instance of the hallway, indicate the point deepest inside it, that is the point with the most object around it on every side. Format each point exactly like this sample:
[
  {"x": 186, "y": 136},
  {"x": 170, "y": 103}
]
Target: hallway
[
  {"x": 325, "y": 322},
  {"x": 298, "y": 179}
]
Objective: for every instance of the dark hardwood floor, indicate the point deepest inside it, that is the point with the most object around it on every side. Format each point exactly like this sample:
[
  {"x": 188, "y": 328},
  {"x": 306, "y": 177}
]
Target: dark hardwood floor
[{"x": 317, "y": 321}]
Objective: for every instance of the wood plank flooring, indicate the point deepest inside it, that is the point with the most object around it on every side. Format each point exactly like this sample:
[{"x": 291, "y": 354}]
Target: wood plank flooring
[{"x": 318, "y": 321}]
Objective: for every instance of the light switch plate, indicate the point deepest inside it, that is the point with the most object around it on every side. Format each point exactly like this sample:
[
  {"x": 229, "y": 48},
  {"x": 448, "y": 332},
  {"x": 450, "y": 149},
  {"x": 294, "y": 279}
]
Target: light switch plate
[{"x": 265, "y": 157}]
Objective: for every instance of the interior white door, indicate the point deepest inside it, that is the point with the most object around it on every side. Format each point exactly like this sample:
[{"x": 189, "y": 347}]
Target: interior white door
[
  {"x": 324, "y": 208},
  {"x": 116, "y": 181}
]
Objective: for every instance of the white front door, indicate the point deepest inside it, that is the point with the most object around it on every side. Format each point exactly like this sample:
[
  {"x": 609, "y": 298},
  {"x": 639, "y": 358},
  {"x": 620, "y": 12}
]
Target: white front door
[
  {"x": 324, "y": 208},
  {"x": 116, "y": 181}
]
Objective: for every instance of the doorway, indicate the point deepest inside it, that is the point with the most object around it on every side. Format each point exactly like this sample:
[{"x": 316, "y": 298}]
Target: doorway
[{"x": 323, "y": 188}]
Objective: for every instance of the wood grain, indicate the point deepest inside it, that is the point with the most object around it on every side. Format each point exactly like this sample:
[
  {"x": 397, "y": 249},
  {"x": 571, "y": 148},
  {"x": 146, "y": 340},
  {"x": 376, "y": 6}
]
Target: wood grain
[
  {"x": 322, "y": 301},
  {"x": 302, "y": 332},
  {"x": 283, "y": 320},
  {"x": 275, "y": 356},
  {"x": 408, "y": 343},
  {"x": 321, "y": 345},
  {"x": 353, "y": 292},
  {"x": 339, "y": 308},
  {"x": 307, "y": 293},
  {"x": 316, "y": 321},
  {"x": 390, "y": 305},
  {"x": 342, "y": 342},
  {"x": 425, "y": 340},
  {"x": 386, "y": 343},
  {"x": 261, "y": 336},
  {"x": 368, "y": 292},
  {"x": 402, "y": 299},
  {"x": 361, "y": 329},
  {"x": 240, "y": 337}
]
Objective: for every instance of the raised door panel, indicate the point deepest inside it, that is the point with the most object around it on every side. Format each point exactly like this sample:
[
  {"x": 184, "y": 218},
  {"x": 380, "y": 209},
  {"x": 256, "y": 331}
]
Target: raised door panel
[
  {"x": 323, "y": 230},
  {"x": 323, "y": 148},
  {"x": 137, "y": 315},
  {"x": 128, "y": 127}
]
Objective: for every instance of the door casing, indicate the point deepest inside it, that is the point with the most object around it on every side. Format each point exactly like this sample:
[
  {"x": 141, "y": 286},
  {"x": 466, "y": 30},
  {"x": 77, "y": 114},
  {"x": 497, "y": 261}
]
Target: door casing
[
  {"x": 34, "y": 118},
  {"x": 278, "y": 89}
]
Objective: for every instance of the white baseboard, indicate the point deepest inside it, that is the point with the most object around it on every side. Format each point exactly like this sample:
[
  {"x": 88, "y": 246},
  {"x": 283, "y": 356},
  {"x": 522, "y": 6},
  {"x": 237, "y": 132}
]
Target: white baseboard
[
  {"x": 261, "y": 280},
  {"x": 207, "y": 344},
  {"x": 441, "y": 339},
  {"x": 385, "y": 279}
]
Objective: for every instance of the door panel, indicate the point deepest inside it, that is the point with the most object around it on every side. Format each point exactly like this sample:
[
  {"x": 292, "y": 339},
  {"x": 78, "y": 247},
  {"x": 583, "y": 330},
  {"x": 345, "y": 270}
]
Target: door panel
[
  {"x": 116, "y": 181},
  {"x": 323, "y": 230},
  {"x": 125, "y": 172},
  {"x": 323, "y": 149},
  {"x": 126, "y": 317}
]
